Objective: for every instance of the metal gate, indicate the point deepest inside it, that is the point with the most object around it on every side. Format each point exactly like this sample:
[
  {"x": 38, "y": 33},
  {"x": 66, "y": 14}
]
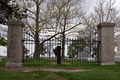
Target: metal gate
[{"x": 77, "y": 51}]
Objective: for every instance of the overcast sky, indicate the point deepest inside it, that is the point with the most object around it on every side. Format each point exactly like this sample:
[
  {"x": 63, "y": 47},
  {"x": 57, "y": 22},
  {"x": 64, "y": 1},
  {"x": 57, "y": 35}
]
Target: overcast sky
[{"x": 90, "y": 3}]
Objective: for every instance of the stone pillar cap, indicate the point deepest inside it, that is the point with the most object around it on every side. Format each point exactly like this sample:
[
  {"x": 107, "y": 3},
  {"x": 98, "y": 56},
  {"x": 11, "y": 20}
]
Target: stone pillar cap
[
  {"x": 106, "y": 24},
  {"x": 15, "y": 22}
]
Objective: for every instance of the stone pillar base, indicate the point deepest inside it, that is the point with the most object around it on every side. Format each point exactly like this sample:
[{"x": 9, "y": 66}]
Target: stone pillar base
[
  {"x": 14, "y": 64},
  {"x": 107, "y": 64}
]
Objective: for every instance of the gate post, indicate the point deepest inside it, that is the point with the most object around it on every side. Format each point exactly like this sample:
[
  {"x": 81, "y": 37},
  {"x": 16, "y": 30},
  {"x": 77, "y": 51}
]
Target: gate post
[
  {"x": 15, "y": 46},
  {"x": 106, "y": 47}
]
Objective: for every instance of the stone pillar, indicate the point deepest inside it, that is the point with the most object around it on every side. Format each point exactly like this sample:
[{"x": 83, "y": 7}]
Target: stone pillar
[
  {"x": 106, "y": 47},
  {"x": 15, "y": 46}
]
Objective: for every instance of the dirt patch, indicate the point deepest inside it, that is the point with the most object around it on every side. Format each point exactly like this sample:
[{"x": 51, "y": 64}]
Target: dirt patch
[
  {"x": 52, "y": 69},
  {"x": 53, "y": 75}
]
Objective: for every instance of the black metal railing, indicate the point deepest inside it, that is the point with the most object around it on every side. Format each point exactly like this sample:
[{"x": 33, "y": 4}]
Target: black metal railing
[{"x": 81, "y": 51}]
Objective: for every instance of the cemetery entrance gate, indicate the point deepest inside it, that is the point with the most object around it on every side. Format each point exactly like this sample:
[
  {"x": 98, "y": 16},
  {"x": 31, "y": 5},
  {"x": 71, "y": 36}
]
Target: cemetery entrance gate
[{"x": 77, "y": 51}]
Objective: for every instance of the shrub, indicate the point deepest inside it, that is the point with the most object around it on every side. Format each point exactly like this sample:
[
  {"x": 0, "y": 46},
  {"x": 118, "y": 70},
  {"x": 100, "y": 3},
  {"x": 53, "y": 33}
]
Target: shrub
[{"x": 3, "y": 41}]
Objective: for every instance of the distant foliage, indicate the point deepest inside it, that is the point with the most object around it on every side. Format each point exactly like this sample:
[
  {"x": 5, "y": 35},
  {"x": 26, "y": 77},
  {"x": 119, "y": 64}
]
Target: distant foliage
[
  {"x": 76, "y": 46},
  {"x": 3, "y": 41},
  {"x": 10, "y": 11}
]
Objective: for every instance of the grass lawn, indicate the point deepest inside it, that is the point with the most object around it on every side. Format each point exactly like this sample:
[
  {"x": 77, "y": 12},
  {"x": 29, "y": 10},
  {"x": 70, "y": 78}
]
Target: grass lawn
[{"x": 98, "y": 73}]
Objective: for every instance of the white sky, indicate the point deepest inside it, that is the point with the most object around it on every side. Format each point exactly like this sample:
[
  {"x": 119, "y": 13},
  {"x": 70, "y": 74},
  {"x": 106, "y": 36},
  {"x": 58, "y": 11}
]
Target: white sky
[{"x": 90, "y": 3}]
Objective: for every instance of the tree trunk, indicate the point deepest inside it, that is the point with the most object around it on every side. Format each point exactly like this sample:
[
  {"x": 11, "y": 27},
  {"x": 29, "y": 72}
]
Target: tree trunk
[
  {"x": 37, "y": 42},
  {"x": 37, "y": 47},
  {"x": 63, "y": 45}
]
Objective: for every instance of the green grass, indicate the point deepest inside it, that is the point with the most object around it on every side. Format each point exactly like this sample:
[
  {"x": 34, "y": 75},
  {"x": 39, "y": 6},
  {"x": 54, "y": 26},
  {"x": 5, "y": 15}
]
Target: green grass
[
  {"x": 98, "y": 73},
  {"x": 47, "y": 62},
  {"x": 2, "y": 64},
  {"x": 16, "y": 75}
]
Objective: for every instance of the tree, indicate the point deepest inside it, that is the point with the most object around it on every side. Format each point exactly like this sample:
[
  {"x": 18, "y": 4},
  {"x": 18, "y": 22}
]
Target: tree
[
  {"x": 9, "y": 11},
  {"x": 56, "y": 15},
  {"x": 103, "y": 11},
  {"x": 66, "y": 15},
  {"x": 35, "y": 21}
]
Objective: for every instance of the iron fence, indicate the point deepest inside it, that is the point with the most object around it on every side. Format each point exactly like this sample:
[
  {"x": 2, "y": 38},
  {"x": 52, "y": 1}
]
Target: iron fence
[{"x": 82, "y": 51}]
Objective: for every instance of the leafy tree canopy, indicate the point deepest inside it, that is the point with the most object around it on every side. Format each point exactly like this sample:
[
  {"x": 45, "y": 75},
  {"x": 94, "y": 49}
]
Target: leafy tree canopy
[{"x": 10, "y": 11}]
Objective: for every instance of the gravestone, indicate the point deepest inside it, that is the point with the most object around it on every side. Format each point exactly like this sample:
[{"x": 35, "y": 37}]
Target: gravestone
[
  {"x": 3, "y": 51},
  {"x": 84, "y": 54},
  {"x": 118, "y": 46},
  {"x": 117, "y": 55},
  {"x": 0, "y": 59},
  {"x": 56, "y": 51}
]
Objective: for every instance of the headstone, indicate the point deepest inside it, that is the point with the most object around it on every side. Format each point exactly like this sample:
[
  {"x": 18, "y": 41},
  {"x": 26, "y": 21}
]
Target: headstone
[
  {"x": 56, "y": 51},
  {"x": 0, "y": 59},
  {"x": 118, "y": 45},
  {"x": 90, "y": 59},
  {"x": 84, "y": 54},
  {"x": 117, "y": 54},
  {"x": 3, "y": 51}
]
